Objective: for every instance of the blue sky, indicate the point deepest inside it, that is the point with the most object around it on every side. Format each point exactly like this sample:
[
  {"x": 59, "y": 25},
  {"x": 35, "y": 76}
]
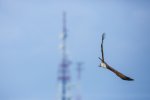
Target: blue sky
[{"x": 30, "y": 54}]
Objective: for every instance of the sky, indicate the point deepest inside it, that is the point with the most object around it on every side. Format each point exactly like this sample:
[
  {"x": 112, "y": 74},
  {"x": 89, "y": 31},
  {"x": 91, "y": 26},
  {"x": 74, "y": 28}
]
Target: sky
[{"x": 30, "y": 55}]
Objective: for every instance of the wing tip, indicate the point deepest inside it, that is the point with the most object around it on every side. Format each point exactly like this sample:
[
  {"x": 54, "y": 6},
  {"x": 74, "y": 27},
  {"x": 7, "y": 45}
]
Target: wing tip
[
  {"x": 128, "y": 79},
  {"x": 103, "y": 36}
]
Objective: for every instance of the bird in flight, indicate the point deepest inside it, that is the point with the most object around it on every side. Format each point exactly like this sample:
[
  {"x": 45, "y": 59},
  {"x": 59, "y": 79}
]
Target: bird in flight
[{"x": 105, "y": 65}]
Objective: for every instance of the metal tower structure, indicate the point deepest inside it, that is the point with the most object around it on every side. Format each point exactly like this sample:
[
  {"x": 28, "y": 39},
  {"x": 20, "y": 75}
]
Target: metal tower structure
[
  {"x": 64, "y": 76},
  {"x": 79, "y": 70}
]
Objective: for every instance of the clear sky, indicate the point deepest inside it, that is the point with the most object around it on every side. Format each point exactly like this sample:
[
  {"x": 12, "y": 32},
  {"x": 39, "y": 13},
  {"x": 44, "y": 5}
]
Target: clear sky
[{"x": 30, "y": 54}]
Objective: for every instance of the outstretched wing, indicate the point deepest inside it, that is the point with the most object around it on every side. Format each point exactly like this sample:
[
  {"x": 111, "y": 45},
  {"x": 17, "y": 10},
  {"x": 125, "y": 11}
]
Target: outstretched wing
[
  {"x": 102, "y": 51},
  {"x": 122, "y": 76}
]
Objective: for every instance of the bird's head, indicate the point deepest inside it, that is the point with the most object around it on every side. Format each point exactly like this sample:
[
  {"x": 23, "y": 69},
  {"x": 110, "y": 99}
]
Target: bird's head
[{"x": 102, "y": 64}]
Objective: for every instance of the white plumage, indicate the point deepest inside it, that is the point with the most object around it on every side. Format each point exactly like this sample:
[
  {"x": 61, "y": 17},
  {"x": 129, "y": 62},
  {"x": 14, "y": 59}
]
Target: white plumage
[{"x": 103, "y": 65}]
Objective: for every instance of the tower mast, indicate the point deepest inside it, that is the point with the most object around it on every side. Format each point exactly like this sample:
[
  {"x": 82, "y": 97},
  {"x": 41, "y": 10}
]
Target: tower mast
[{"x": 64, "y": 77}]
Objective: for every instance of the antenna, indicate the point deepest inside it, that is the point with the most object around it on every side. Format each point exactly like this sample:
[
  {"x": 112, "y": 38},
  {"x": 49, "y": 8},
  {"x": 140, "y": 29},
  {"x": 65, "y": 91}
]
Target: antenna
[{"x": 79, "y": 70}]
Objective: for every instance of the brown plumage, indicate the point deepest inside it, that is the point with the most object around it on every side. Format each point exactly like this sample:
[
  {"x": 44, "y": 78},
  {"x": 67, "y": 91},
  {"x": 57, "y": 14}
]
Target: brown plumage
[
  {"x": 105, "y": 65},
  {"x": 122, "y": 76}
]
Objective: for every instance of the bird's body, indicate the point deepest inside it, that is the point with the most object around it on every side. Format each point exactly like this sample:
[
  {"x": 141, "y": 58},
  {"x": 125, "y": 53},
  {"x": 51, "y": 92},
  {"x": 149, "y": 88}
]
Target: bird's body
[
  {"x": 105, "y": 65},
  {"x": 102, "y": 65}
]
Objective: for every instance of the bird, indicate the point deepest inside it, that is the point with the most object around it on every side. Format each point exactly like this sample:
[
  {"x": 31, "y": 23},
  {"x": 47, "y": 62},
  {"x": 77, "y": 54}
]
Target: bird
[{"x": 103, "y": 64}]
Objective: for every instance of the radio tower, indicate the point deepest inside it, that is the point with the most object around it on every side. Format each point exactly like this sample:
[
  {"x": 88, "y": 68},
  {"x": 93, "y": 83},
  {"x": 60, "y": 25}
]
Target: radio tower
[
  {"x": 64, "y": 76},
  {"x": 79, "y": 70}
]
